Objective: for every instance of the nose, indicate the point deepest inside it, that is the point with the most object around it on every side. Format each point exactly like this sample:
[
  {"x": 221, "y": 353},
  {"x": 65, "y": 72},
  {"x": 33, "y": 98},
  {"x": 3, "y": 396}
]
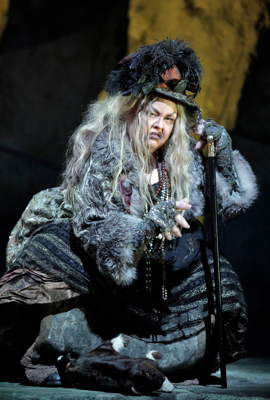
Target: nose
[{"x": 158, "y": 123}]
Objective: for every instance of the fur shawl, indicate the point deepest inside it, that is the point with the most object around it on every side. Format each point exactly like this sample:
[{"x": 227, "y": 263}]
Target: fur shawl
[
  {"x": 118, "y": 237},
  {"x": 110, "y": 228}
]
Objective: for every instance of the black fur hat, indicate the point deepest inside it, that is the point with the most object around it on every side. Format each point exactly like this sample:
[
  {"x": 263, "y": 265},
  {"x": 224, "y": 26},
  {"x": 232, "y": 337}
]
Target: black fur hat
[{"x": 168, "y": 68}]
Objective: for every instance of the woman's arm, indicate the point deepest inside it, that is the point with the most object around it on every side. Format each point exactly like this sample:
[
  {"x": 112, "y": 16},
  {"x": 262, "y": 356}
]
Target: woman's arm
[
  {"x": 236, "y": 183},
  {"x": 104, "y": 228}
]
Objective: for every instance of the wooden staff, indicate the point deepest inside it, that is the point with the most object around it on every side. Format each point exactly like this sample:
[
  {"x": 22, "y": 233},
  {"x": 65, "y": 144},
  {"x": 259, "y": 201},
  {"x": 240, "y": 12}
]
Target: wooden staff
[{"x": 215, "y": 241}]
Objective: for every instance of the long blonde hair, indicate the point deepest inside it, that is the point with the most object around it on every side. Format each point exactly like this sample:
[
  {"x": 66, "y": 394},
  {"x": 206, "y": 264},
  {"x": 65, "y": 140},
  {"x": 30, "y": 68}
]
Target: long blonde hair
[{"x": 126, "y": 117}]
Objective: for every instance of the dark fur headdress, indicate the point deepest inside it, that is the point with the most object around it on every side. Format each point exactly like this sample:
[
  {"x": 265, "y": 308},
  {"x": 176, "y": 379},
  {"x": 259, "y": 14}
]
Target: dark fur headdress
[{"x": 168, "y": 68}]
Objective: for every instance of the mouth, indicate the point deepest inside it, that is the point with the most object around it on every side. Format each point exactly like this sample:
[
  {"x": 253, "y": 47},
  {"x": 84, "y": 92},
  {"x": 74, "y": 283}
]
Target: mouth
[{"x": 155, "y": 136}]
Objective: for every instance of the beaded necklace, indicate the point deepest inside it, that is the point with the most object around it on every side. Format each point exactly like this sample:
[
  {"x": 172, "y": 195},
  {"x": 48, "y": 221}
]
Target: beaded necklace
[{"x": 162, "y": 193}]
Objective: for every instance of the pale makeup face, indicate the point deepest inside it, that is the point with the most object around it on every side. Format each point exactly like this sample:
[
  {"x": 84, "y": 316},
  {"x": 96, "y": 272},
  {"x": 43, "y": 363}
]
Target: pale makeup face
[{"x": 161, "y": 119}]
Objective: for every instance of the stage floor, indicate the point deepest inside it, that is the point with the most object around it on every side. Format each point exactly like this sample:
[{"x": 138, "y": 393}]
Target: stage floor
[{"x": 247, "y": 379}]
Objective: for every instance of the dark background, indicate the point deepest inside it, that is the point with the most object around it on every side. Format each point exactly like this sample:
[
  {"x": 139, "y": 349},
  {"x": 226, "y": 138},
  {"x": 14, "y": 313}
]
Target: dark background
[{"x": 54, "y": 57}]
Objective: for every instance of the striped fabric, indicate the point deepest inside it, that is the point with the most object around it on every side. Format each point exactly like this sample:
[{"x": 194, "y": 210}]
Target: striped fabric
[{"x": 54, "y": 250}]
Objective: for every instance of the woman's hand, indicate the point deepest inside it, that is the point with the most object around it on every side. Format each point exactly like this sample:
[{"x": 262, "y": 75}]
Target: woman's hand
[
  {"x": 179, "y": 219},
  {"x": 223, "y": 149},
  {"x": 207, "y": 128},
  {"x": 165, "y": 217}
]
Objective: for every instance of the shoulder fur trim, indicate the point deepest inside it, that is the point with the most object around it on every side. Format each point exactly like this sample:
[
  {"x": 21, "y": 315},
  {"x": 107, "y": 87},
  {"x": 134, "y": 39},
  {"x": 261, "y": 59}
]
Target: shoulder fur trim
[{"x": 233, "y": 202}]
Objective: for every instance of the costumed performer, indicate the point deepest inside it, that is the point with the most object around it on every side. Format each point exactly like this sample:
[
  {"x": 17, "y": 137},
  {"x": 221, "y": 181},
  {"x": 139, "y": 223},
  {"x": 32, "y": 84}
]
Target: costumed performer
[{"x": 123, "y": 236}]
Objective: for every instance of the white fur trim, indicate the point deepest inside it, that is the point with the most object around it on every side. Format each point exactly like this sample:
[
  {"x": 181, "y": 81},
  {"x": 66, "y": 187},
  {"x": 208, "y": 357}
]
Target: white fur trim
[
  {"x": 232, "y": 202},
  {"x": 167, "y": 386},
  {"x": 151, "y": 356},
  {"x": 134, "y": 391},
  {"x": 120, "y": 247},
  {"x": 118, "y": 343},
  {"x": 124, "y": 275}
]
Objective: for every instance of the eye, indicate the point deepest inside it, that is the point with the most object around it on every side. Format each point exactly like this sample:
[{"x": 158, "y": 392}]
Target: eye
[{"x": 171, "y": 119}]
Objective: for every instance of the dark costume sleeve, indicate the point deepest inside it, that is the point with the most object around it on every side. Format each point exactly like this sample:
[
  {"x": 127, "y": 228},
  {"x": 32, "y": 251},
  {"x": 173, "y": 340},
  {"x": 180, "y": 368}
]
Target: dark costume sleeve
[{"x": 235, "y": 181}]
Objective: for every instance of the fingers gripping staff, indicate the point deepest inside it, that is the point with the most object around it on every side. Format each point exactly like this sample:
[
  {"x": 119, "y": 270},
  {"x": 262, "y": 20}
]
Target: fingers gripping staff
[{"x": 222, "y": 149}]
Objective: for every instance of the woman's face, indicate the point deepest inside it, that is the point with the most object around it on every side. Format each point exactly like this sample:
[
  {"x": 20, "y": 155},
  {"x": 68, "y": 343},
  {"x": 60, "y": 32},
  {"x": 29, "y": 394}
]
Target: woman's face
[{"x": 160, "y": 123}]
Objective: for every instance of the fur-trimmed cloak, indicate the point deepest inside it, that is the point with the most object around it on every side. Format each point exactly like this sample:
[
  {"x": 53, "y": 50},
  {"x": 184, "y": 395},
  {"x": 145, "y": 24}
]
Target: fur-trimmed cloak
[
  {"x": 112, "y": 230},
  {"x": 110, "y": 233}
]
